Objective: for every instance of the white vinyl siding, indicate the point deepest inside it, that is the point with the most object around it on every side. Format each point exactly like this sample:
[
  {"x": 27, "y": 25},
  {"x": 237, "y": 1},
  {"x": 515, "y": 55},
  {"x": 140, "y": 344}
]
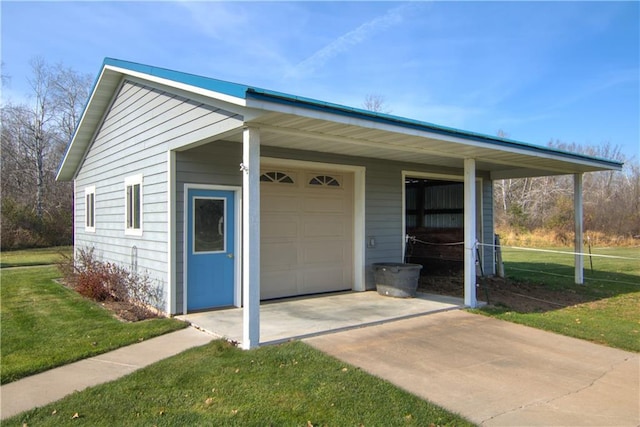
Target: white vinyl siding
[
  {"x": 90, "y": 209},
  {"x": 133, "y": 139}
]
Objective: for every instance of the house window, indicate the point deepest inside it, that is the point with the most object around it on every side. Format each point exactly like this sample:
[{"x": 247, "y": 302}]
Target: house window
[
  {"x": 90, "y": 209},
  {"x": 324, "y": 181},
  {"x": 279, "y": 177},
  {"x": 133, "y": 205}
]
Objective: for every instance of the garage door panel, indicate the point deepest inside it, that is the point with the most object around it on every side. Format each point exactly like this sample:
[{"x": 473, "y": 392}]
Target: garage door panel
[
  {"x": 323, "y": 280},
  {"x": 324, "y": 252},
  {"x": 325, "y": 229},
  {"x": 278, "y": 255},
  {"x": 276, "y": 284},
  {"x": 324, "y": 204},
  {"x": 280, "y": 227},
  {"x": 306, "y": 236},
  {"x": 280, "y": 203}
]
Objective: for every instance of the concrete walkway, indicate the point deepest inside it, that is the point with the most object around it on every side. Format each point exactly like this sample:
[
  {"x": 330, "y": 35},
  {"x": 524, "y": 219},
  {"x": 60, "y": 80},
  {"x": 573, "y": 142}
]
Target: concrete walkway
[
  {"x": 280, "y": 321},
  {"x": 493, "y": 372},
  {"x": 54, "y": 384},
  {"x": 497, "y": 373}
]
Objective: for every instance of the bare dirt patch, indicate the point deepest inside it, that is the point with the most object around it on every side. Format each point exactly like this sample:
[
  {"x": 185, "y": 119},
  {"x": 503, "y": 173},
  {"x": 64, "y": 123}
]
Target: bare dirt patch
[
  {"x": 128, "y": 312},
  {"x": 496, "y": 291}
]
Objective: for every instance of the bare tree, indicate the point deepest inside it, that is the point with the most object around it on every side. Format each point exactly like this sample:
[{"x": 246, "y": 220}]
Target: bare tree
[
  {"x": 4, "y": 78},
  {"x": 375, "y": 103},
  {"x": 34, "y": 136},
  {"x": 611, "y": 198},
  {"x": 71, "y": 91}
]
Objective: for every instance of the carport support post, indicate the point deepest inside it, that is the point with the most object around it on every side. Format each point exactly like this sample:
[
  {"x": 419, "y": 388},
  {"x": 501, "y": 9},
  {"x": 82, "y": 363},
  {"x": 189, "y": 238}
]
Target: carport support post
[
  {"x": 470, "y": 233},
  {"x": 250, "y": 238},
  {"x": 577, "y": 209}
]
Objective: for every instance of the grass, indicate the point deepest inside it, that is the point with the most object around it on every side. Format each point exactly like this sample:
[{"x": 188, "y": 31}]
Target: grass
[
  {"x": 31, "y": 257},
  {"x": 286, "y": 385},
  {"x": 610, "y": 275},
  {"x": 44, "y": 324},
  {"x": 612, "y": 291}
]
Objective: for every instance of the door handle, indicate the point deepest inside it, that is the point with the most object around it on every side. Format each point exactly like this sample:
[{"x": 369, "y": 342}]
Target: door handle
[{"x": 230, "y": 256}]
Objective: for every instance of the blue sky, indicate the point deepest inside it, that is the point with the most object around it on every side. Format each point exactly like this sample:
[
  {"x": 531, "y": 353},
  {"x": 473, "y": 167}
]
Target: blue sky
[{"x": 539, "y": 71}]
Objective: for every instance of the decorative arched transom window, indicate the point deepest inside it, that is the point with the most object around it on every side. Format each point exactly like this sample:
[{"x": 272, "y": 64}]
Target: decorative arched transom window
[
  {"x": 278, "y": 177},
  {"x": 325, "y": 181}
]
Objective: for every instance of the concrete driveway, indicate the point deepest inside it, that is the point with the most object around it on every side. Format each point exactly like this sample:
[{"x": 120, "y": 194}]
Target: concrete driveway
[{"x": 497, "y": 373}]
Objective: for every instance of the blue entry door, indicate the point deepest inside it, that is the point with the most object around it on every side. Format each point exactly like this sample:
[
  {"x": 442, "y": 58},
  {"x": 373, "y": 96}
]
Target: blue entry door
[{"x": 210, "y": 249}]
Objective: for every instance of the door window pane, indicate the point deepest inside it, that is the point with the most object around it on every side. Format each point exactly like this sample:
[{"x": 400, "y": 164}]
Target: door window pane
[{"x": 208, "y": 225}]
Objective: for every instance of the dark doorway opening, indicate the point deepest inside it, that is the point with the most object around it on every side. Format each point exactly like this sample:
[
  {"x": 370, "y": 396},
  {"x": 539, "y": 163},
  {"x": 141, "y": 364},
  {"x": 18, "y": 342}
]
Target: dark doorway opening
[{"x": 434, "y": 221}]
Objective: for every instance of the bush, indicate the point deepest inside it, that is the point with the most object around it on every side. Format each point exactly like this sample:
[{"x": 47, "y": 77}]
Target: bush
[
  {"x": 104, "y": 281},
  {"x": 22, "y": 228}
]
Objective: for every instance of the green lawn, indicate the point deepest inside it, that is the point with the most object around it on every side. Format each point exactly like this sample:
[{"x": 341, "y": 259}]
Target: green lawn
[
  {"x": 611, "y": 314},
  {"x": 609, "y": 275},
  {"x": 44, "y": 324},
  {"x": 29, "y": 257},
  {"x": 285, "y": 385}
]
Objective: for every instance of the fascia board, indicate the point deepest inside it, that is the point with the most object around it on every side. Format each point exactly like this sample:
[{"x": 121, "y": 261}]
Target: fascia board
[
  {"x": 64, "y": 174},
  {"x": 198, "y": 96},
  {"x": 179, "y": 85},
  {"x": 412, "y": 128}
]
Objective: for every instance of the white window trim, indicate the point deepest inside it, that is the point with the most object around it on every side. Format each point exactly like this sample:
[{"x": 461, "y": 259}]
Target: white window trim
[
  {"x": 128, "y": 182},
  {"x": 90, "y": 191}
]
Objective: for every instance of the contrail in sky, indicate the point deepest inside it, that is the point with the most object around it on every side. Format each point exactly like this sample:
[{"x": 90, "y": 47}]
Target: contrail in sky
[{"x": 345, "y": 42}]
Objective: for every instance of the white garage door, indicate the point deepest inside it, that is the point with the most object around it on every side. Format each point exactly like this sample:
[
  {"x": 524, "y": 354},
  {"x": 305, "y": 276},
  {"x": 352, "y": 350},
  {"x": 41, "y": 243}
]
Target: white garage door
[{"x": 306, "y": 232}]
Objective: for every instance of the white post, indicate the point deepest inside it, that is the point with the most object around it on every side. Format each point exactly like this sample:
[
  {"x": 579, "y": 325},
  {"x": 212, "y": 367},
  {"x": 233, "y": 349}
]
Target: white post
[
  {"x": 470, "y": 233},
  {"x": 577, "y": 209},
  {"x": 171, "y": 232},
  {"x": 251, "y": 238}
]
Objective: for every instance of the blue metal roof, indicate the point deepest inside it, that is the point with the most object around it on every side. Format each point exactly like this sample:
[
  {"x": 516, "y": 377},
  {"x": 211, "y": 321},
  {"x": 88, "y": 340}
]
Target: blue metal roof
[
  {"x": 221, "y": 86},
  {"x": 250, "y": 92}
]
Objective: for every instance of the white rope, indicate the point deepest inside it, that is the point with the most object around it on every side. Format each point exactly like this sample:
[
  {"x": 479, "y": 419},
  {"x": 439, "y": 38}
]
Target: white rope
[
  {"x": 413, "y": 239},
  {"x": 558, "y": 252},
  {"x": 590, "y": 279}
]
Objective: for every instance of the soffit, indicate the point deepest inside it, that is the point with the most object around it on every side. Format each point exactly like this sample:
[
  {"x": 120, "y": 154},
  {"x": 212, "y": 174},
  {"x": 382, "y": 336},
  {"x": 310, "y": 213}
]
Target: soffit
[{"x": 312, "y": 134}]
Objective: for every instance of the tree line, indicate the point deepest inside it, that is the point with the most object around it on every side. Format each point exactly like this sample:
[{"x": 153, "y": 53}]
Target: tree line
[
  {"x": 37, "y": 211},
  {"x": 611, "y": 199}
]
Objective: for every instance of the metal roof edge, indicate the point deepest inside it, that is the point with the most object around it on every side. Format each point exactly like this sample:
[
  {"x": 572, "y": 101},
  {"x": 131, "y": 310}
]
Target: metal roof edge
[
  {"x": 353, "y": 112},
  {"x": 245, "y": 92},
  {"x": 84, "y": 110},
  {"x": 216, "y": 85}
]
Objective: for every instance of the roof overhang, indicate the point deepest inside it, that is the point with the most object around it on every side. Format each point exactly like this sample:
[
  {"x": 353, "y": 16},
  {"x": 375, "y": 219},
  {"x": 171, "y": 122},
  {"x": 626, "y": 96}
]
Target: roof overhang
[
  {"x": 106, "y": 87},
  {"x": 301, "y": 123},
  {"x": 305, "y": 124}
]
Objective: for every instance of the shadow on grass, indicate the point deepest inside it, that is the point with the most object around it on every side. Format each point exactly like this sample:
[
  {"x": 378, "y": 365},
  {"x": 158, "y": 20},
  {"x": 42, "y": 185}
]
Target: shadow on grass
[{"x": 533, "y": 287}]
